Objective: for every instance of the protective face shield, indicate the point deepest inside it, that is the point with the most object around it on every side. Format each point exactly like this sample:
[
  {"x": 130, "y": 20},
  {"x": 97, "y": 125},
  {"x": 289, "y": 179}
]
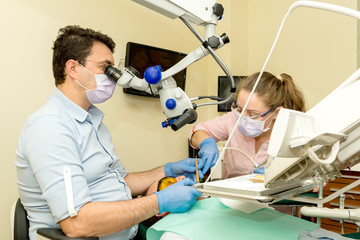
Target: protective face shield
[
  {"x": 104, "y": 88},
  {"x": 251, "y": 127}
]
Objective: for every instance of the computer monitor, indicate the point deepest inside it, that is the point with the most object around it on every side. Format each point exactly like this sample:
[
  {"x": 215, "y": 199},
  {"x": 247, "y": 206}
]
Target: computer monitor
[
  {"x": 224, "y": 85},
  {"x": 141, "y": 56}
]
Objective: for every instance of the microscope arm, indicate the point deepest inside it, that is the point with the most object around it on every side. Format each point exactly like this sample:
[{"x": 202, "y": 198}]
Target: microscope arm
[
  {"x": 128, "y": 76},
  {"x": 198, "y": 12},
  {"x": 175, "y": 103}
]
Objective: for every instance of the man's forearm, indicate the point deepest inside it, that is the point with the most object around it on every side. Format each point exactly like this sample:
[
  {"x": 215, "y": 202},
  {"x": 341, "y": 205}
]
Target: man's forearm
[
  {"x": 140, "y": 182},
  {"x": 104, "y": 218}
]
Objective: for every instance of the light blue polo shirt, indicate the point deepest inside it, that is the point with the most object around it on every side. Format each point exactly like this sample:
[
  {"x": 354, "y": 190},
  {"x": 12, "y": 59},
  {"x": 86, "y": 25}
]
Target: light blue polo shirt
[{"x": 63, "y": 135}]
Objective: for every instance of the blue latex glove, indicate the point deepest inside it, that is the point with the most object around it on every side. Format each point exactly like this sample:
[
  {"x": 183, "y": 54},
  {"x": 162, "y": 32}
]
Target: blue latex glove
[
  {"x": 209, "y": 153},
  {"x": 185, "y": 167},
  {"x": 178, "y": 197},
  {"x": 260, "y": 170}
]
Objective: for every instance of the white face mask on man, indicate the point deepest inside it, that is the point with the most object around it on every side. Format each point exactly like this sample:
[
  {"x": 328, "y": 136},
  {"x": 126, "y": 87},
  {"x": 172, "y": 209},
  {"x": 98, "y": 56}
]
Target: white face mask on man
[{"x": 104, "y": 88}]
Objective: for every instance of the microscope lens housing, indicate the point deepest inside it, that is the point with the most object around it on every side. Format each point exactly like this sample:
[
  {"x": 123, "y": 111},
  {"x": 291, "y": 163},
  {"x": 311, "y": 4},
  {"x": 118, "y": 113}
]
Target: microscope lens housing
[
  {"x": 189, "y": 116},
  {"x": 113, "y": 73}
]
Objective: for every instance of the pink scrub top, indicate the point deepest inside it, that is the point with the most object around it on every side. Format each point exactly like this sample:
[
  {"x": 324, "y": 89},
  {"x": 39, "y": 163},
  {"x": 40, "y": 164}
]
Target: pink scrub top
[{"x": 235, "y": 163}]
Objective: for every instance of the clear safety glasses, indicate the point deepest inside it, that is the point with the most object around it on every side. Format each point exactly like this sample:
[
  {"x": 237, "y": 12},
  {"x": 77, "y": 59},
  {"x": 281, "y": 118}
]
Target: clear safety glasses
[
  {"x": 235, "y": 108},
  {"x": 103, "y": 65}
]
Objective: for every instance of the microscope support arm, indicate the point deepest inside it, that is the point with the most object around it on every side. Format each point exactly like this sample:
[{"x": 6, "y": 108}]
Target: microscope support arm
[{"x": 176, "y": 105}]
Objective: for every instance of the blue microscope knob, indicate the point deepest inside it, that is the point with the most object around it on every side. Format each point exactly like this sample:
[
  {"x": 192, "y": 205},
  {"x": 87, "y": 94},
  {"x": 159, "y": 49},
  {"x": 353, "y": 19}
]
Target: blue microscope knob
[
  {"x": 152, "y": 75},
  {"x": 167, "y": 123},
  {"x": 170, "y": 103}
]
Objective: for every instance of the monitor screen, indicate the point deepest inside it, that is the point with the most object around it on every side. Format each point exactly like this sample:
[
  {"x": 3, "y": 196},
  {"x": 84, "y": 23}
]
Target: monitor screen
[
  {"x": 224, "y": 85},
  {"x": 141, "y": 56}
]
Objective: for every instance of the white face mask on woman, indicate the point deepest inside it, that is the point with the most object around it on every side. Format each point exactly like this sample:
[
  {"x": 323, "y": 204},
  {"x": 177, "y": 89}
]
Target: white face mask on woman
[
  {"x": 251, "y": 127},
  {"x": 104, "y": 88}
]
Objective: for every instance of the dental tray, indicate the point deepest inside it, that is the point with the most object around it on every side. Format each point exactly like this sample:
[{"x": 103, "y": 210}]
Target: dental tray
[{"x": 250, "y": 187}]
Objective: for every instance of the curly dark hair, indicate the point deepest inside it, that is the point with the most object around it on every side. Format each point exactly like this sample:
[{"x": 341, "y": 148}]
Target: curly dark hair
[{"x": 74, "y": 42}]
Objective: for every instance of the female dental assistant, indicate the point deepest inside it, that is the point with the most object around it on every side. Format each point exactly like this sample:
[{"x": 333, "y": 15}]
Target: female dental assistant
[{"x": 249, "y": 143}]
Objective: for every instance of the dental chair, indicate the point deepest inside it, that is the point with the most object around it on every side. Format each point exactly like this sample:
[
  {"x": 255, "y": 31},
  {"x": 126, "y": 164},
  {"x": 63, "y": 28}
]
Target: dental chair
[{"x": 20, "y": 229}]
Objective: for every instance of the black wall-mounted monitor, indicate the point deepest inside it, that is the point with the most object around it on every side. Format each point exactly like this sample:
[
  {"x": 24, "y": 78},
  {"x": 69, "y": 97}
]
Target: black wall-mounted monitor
[
  {"x": 141, "y": 56},
  {"x": 224, "y": 85}
]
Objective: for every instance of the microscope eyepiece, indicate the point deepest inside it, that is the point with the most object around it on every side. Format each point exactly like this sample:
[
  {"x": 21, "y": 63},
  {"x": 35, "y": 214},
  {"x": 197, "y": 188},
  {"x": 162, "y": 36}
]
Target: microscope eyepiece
[
  {"x": 113, "y": 73},
  {"x": 225, "y": 38}
]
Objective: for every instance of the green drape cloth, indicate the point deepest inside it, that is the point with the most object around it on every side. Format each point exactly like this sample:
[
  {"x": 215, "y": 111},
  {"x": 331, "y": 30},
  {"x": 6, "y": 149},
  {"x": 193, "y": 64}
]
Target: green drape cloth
[{"x": 210, "y": 219}]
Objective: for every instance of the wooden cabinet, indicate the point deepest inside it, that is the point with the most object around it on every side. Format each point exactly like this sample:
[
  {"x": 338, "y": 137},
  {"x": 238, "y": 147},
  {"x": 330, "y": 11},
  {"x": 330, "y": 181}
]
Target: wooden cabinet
[{"x": 352, "y": 201}]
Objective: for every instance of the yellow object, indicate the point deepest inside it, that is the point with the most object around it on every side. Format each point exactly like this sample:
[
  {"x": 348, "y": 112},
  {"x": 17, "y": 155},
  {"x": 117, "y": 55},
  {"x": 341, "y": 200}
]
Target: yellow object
[
  {"x": 257, "y": 180},
  {"x": 165, "y": 182}
]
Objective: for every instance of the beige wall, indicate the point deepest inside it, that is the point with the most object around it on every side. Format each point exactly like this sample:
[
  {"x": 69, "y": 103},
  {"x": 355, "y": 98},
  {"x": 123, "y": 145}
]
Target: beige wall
[{"x": 317, "y": 48}]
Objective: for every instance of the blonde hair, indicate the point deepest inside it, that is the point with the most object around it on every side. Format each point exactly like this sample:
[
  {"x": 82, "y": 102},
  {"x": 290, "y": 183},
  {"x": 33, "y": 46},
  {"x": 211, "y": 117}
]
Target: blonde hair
[{"x": 276, "y": 91}]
